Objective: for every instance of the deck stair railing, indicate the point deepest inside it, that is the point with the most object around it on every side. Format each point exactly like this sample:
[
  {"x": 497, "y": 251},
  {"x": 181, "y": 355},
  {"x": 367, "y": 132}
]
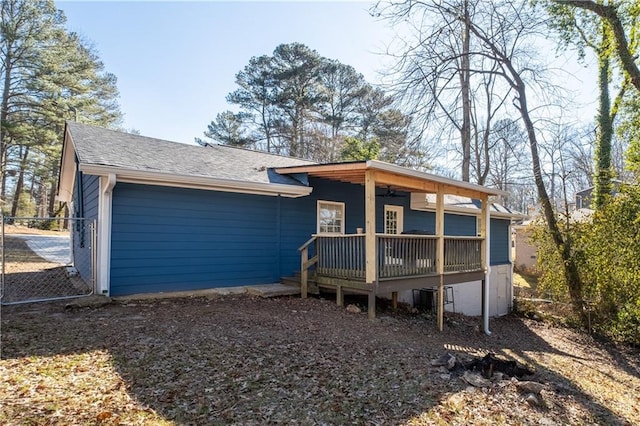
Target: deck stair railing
[{"x": 305, "y": 264}]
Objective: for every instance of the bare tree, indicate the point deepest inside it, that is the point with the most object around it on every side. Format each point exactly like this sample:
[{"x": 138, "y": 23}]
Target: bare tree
[
  {"x": 502, "y": 30},
  {"x": 487, "y": 103},
  {"x": 503, "y": 40},
  {"x": 432, "y": 75},
  {"x": 507, "y": 155}
]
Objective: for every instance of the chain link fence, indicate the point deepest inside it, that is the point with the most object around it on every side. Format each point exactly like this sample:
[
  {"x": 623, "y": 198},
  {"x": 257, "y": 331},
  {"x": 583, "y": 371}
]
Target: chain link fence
[{"x": 46, "y": 259}]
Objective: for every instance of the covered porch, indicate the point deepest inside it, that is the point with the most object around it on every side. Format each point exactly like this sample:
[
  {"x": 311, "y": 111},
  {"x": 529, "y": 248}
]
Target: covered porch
[{"x": 375, "y": 263}]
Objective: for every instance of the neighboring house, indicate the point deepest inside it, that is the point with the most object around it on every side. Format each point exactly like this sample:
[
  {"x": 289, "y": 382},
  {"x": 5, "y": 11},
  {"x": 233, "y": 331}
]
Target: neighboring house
[
  {"x": 525, "y": 251},
  {"x": 176, "y": 217},
  {"x": 585, "y": 196}
]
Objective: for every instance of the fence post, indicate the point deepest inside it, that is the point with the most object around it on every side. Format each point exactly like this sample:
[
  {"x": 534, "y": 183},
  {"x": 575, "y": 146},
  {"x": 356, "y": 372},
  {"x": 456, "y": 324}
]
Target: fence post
[{"x": 2, "y": 257}]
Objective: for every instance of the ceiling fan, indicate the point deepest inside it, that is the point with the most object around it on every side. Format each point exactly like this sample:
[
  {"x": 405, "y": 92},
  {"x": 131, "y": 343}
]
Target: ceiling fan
[{"x": 390, "y": 193}]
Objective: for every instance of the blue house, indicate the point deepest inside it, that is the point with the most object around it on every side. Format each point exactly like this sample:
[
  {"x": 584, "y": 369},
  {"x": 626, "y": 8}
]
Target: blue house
[{"x": 176, "y": 217}]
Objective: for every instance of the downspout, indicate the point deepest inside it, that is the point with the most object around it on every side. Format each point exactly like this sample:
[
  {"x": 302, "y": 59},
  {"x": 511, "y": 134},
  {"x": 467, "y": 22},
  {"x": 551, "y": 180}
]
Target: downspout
[
  {"x": 104, "y": 234},
  {"x": 279, "y": 237},
  {"x": 487, "y": 270},
  {"x": 511, "y": 248}
]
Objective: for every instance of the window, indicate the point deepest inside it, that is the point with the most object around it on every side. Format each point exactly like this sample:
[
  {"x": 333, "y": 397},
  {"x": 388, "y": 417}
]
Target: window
[
  {"x": 330, "y": 217},
  {"x": 393, "y": 219}
]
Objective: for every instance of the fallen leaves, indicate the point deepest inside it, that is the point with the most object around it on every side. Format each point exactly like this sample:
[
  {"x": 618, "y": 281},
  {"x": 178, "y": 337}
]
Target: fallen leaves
[{"x": 242, "y": 360}]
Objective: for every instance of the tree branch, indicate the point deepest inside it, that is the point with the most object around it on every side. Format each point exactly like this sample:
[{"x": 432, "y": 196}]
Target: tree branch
[{"x": 610, "y": 14}]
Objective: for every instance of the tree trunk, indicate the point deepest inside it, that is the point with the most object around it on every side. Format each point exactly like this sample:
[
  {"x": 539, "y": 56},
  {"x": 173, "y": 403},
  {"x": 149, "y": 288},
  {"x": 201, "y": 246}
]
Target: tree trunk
[
  {"x": 20, "y": 183},
  {"x": 563, "y": 243},
  {"x": 465, "y": 131},
  {"x": 4, "y": 115},
  {"x": 603, "y": 173},
  {"x": 52, "y": 200},
  {"x": 564, "y": 246}
]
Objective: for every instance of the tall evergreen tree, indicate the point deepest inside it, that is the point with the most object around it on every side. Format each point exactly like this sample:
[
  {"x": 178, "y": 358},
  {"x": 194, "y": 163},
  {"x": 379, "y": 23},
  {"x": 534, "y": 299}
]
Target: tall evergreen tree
[
  {"x": 306, "y": 105},
  {"x": 46, "y": 73}
]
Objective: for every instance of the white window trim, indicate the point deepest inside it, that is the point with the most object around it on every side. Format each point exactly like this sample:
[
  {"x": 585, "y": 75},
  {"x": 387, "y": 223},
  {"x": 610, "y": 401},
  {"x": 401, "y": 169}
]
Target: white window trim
[
  {"x": 397, "y": 209},
  {"x": 333, "y": 203}
]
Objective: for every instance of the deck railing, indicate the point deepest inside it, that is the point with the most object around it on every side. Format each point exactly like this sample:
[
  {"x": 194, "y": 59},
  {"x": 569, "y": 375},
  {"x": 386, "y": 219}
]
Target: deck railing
[
  {"x": 406, "y": 255},
  {"x": 343, "y": 256},
  {"x": 462, "y": 254}
]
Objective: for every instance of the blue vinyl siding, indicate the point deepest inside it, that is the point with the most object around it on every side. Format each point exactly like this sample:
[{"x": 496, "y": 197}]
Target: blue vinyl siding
[
  {"x": 85, "y": 201},
  {"x": 171, "y": 239},
  {"x": 91, "y": 194},
  {"x": 500, "y": 241}
]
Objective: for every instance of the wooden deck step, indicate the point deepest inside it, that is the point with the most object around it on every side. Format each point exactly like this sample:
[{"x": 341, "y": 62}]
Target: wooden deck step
[
  {"x": 294, "y": 281},
  {"x": 273, "y": 290}
]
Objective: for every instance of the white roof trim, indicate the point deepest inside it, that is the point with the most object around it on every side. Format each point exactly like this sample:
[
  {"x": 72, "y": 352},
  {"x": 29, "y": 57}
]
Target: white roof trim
[
  {"x": 196, "y": 182},
  {"x": 67, "y": 170},
  {"x": 393, "y": 168},
  {"x": 466, "y": 211}
]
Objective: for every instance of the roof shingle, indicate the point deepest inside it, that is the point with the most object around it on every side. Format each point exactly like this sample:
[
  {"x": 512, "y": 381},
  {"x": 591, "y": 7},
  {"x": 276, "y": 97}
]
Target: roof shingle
[{"x": 104, "y": 147}]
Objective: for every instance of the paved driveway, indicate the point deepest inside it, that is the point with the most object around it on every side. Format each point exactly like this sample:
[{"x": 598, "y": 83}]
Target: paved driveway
[{"x": 54, "y": 248}]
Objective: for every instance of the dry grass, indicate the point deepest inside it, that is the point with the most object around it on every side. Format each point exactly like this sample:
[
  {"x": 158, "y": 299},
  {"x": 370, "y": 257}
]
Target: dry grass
[
  {"x": 22, "y": 229},
  {"x": 242, "y": 360}
]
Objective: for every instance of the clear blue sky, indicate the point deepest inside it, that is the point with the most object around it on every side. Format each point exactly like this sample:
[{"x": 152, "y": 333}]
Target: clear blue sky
[{"x": 176, "y": 61}]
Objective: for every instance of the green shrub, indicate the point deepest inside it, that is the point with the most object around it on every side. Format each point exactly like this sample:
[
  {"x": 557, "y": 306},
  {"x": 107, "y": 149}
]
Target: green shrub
[{"x": 607, "y": 252}]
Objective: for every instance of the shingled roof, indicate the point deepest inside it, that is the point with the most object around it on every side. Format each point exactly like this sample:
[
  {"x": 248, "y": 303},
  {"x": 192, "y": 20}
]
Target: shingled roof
[
  {"x": 100, "y": 146},
  {"x": 125, "y": 157}
]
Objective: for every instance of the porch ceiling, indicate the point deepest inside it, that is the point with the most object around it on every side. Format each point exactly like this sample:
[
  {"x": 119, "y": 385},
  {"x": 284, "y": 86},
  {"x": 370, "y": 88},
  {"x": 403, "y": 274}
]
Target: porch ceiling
[{"x": 393, "y": 176}]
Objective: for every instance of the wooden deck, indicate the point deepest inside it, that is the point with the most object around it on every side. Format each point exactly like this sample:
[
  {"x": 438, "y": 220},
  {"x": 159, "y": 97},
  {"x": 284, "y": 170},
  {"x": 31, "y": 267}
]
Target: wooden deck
[{"x": 403, "y": 262}]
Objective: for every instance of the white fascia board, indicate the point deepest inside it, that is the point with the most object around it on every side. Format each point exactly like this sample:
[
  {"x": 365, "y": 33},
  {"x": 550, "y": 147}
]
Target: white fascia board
[
  {"x": 392, "y": 168},
  {"x": 67, "y": 170},
  {"x": 196, "y": 182},
  {"x": 463, "y": 211}
]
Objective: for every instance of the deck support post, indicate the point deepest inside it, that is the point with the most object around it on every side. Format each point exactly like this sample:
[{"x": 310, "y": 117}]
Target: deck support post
[
  {"x": 370, "y": 238},
  {"x": 371, "y": 305},
  {"x": 440, "y": 254},
  {"x": 304, "y": 273},
  {"x": 339, "y": 296},
  {"x": 394, "y": 300}
]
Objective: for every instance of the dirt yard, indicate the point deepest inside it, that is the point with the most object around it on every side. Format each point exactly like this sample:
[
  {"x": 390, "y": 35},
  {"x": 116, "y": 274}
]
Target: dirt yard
[{"x": 243, "y": 360}]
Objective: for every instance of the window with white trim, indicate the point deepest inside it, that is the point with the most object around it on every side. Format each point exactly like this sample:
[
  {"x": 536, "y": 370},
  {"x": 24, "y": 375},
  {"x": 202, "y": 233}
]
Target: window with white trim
[
  {"x": 393, "y": 219},
  {"x": 330, "y": 217}
]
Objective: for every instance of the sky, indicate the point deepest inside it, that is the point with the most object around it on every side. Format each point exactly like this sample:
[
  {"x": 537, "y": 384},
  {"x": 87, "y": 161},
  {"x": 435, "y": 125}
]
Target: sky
[{"x": 176, "y": 61}]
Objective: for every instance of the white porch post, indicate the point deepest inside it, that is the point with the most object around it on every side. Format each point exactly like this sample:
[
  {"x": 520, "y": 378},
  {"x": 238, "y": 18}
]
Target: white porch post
[
  {"x": 440, "y": 254},
  {"x": 104, "y": 233},
  {"x": 486, "y": 260},
  {"x": 370, "y": 237}
]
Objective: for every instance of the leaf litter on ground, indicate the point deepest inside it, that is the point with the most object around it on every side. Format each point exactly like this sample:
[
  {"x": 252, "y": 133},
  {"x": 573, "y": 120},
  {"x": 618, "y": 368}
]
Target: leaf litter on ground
[{"x": 245, "y": 360}]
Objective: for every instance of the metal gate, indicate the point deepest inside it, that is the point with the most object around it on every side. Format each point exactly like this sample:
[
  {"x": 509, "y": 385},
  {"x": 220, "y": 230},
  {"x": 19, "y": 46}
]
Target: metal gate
[{"x": 46, "y": 259}]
